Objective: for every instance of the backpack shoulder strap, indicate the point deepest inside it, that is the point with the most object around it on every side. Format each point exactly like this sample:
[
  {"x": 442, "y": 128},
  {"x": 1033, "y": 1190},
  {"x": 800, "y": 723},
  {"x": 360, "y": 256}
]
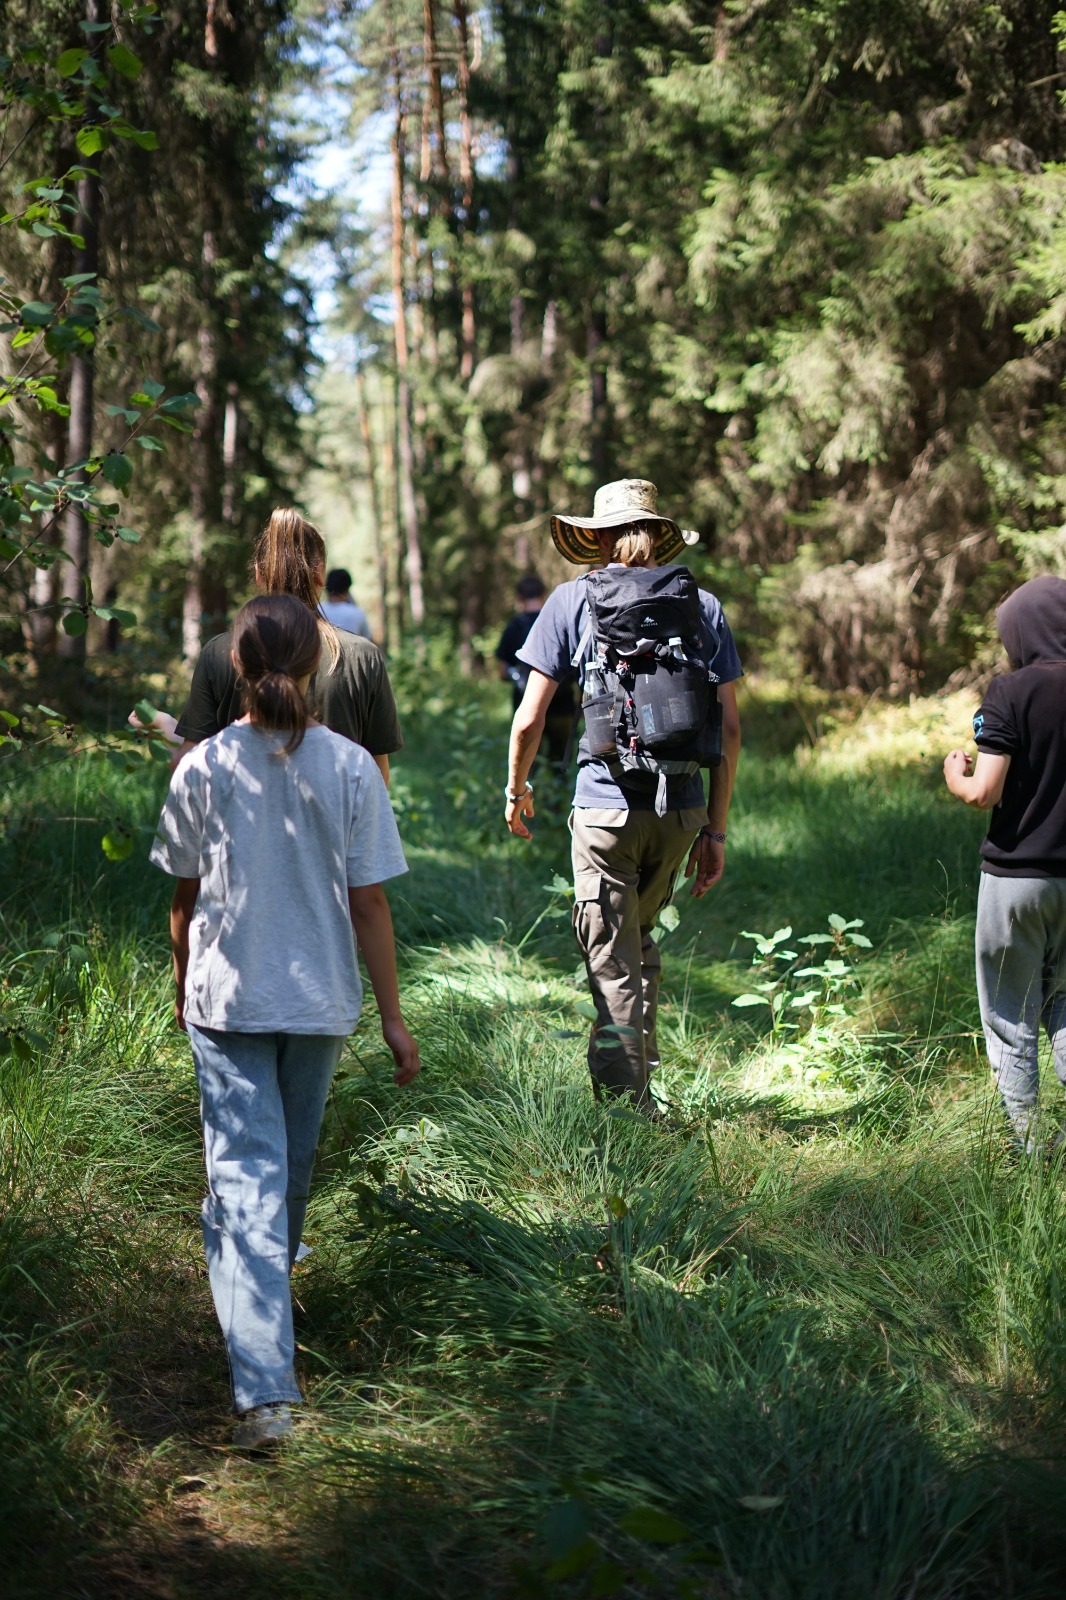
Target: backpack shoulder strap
[{"x": 584, "y": 641}]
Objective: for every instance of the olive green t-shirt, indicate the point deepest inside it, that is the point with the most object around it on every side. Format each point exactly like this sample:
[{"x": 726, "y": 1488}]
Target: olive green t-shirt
[{"x": 355, "y": 699}]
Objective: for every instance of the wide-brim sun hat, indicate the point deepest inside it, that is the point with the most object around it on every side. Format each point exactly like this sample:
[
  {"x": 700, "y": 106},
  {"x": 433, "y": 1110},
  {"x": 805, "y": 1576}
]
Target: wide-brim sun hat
[{"x": 627, "y": 500}]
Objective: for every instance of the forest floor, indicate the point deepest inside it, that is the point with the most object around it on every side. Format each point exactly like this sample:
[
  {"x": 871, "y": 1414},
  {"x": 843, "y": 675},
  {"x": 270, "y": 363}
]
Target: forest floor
[{"x": 809, "y": 1340}]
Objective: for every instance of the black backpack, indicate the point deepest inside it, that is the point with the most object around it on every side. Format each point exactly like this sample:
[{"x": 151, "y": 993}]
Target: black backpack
[{"x": 650, "y": 700}]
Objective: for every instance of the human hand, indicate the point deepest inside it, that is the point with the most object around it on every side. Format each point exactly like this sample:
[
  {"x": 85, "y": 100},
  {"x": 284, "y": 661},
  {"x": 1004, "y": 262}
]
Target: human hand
[
  {"x": 957, "y": 764},
  {"x": 514, "y": 813},
  {"x": 707, "y": 861},
  {"x": 404, "y": 1051},
  {"x": 179, "y": 1010}
]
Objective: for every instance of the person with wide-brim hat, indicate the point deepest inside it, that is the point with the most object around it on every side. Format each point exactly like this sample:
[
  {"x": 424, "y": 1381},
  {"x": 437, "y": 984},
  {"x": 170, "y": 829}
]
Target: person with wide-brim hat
[
  {"x": 628, "y": 503},
  {"x": 625, "y": 855}
]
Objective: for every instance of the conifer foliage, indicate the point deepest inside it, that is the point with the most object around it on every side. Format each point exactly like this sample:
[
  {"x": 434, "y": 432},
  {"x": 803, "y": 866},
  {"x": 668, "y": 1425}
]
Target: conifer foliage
[
  {"x": 155, "y": 346},
  {"x": 803, "y": 265}
]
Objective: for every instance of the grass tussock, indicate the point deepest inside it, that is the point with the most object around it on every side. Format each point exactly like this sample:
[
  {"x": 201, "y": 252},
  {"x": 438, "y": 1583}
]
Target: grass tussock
[{"x": 808, "y": 1341}]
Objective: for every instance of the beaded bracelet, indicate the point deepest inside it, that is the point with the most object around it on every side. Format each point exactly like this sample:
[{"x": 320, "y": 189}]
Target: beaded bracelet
[{"x": 709, "y": 833}]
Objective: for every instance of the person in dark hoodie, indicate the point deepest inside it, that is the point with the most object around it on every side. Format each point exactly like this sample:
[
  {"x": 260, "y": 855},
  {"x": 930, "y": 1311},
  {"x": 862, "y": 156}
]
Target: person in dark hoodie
[{"x": 1020, "y": 776}]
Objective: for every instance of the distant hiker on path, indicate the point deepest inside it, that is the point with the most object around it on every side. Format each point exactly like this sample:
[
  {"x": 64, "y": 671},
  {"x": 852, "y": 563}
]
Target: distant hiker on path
[
  {"x": 559, "y": 717},
  {"x": 1020, "y": 776},
  {"x": 339, "y": 608},
  {"x": 350, "y": 692},
  {"x": 658, "y": 664},
  {"x": 279, "y": 833}
]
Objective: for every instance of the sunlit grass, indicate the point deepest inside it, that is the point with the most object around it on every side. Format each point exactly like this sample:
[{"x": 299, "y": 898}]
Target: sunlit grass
[{"x": 818, "y": 1322}]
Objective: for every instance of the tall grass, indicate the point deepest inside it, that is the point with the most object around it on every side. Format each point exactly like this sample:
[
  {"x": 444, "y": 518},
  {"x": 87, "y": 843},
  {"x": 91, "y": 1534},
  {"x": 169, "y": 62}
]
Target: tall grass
[{"x": 808, "y": 1341}]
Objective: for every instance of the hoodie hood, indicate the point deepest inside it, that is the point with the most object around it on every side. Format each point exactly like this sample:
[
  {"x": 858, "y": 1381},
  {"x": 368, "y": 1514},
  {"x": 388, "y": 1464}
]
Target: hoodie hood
[{"x": 1032, "y": 622}]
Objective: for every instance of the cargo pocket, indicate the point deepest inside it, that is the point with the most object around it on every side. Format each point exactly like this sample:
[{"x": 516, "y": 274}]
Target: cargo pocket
[{"x": 587, "y": 885}]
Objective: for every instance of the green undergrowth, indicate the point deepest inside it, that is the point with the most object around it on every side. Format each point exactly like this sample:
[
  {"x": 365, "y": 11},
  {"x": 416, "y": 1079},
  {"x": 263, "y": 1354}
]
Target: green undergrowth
[{"x": 807, "y": 1340}]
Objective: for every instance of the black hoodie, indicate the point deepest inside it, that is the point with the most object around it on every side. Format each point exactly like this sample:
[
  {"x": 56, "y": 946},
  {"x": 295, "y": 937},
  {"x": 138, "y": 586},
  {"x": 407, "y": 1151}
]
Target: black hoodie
[{"x": 1024, "y": 716}]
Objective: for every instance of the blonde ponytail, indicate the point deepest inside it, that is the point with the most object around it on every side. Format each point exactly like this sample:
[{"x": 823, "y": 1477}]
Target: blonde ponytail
[
  {"x": 634, "y": 546},
  {"x": 289, "y": 555}
]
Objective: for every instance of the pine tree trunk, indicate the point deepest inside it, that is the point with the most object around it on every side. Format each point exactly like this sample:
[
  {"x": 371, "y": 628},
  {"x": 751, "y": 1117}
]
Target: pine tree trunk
[
  {"x": 204, "y": 447},
  {"x": 404, "y": 446},
  {"x": 466, "y": 178},
  {"x": 75, "y": 569},
  {"x": 381, "y": 554}
]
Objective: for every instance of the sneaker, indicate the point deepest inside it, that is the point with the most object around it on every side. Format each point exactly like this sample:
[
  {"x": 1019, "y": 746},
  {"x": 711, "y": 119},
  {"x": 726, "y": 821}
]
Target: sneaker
[{"x": 265, "y": 1425}]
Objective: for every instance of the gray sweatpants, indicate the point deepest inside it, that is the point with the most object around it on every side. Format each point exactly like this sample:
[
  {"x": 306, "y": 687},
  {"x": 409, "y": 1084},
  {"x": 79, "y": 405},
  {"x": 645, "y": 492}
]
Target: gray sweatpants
[
  {"x": 625, "y": 863},
  {"x": 1021, "y": 983}
]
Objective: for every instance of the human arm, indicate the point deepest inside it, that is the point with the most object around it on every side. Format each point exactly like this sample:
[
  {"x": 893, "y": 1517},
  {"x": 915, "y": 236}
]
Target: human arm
[
  {"x": 527, "y": 730},
  {"x": 979, "y": 784},
  {"x": 182, "y": 906},
  {"x": 706, "y": 861},
  {"x": 382, "y": 764},
  {"x": 372, "y": 925}
]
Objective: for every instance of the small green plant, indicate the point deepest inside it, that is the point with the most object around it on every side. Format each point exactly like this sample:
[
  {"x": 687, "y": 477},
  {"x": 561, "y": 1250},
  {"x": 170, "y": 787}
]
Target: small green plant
[{"x": 783, "y": 987}]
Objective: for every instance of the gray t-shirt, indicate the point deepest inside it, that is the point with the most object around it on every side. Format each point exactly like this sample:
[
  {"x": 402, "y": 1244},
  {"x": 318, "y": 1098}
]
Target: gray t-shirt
[
  {"x": 345, "y": 614},
  {"x": 275, "y": 841},
  {"x": 553, "y": 639}
]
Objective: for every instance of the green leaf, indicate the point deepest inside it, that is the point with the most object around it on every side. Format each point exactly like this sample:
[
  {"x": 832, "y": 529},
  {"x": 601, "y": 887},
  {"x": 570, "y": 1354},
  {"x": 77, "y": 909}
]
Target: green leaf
[
  {"x": 861, "y": 940},
  {"x": 124, "y": 61},
  {"x": 617, "y": 1206},
  {"x": 70, "y": 61},
  {"x": 800, "y": 1001},
  {"x": 180, "y": 402},
  {"x": 117, "y": 844},
  {"x": 121, "y": 411},
  {"x": 9, "y": 549},
  {"x": 606, "y": 1580},
  {"x": 760, "y": 1502},
  {"x": 37, "y": 313},
  {"x": 669, "y": 917},
  {"x": 148, "y": 393},
  {"x": 128, "y": 619},
  {"x": 750, "y": 1000},
  {"x": 586, "y": 1009},
  {"x": 653, "y": 1526},
  {"x": 565, "y": 1528},
  {"x": 10, "y": 718},
  {"x": 117, "y": 469},
  {"x": 128, "y": 535},
  {"x": 75, "y": 623},
  {"x": 837, "y": 922},
  {"x": 146, "y": 711},
  {"x": 576, "y": 1561},
  {"x": 148, "y": 442},
  {"x": 89, "y": 141},
  {"x": 142, "y": 137}
]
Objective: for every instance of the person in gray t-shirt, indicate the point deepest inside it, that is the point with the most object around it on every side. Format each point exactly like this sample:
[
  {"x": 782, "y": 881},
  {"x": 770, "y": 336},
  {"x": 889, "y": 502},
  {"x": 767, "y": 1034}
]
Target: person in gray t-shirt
[
  {"x": 280, "y": 833},
  {"x": 628, "y": 840},
  {"x": 339, "y": 608}
]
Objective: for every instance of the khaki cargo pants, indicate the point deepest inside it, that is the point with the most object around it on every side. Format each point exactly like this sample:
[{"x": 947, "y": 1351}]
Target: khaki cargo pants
[{"x": 625, "y": 863}]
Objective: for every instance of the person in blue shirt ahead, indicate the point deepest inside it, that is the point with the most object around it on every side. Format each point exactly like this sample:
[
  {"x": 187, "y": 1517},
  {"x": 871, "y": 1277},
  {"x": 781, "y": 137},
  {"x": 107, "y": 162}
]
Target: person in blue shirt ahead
[{"x": 625, "y": 854}]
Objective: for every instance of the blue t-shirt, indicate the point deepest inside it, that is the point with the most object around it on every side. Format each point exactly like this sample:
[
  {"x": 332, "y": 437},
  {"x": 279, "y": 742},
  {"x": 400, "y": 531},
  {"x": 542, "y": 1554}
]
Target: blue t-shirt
[{"x": 556, "y": 634}]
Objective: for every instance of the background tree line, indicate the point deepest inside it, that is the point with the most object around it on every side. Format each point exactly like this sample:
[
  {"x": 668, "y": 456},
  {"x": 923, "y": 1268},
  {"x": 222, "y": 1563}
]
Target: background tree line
[
  {"x": 803, "y": 265},
  {"x": 144, "y": 162}
]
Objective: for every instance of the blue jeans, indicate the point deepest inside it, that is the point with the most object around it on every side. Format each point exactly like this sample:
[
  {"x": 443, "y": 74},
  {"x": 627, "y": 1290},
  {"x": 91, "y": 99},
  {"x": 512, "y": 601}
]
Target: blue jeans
[{"x": 262, "y": 1096}]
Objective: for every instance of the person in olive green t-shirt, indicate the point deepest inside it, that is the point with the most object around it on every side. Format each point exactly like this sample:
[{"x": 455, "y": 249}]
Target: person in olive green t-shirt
[{"x": 349, "y": 693}]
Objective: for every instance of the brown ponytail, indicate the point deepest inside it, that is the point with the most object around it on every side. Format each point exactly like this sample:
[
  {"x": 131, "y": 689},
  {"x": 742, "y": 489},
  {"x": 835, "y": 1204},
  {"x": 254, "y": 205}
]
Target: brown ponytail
[
  {"x": 289, "y": 557},
  {"x": 275, "y": 641}
]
